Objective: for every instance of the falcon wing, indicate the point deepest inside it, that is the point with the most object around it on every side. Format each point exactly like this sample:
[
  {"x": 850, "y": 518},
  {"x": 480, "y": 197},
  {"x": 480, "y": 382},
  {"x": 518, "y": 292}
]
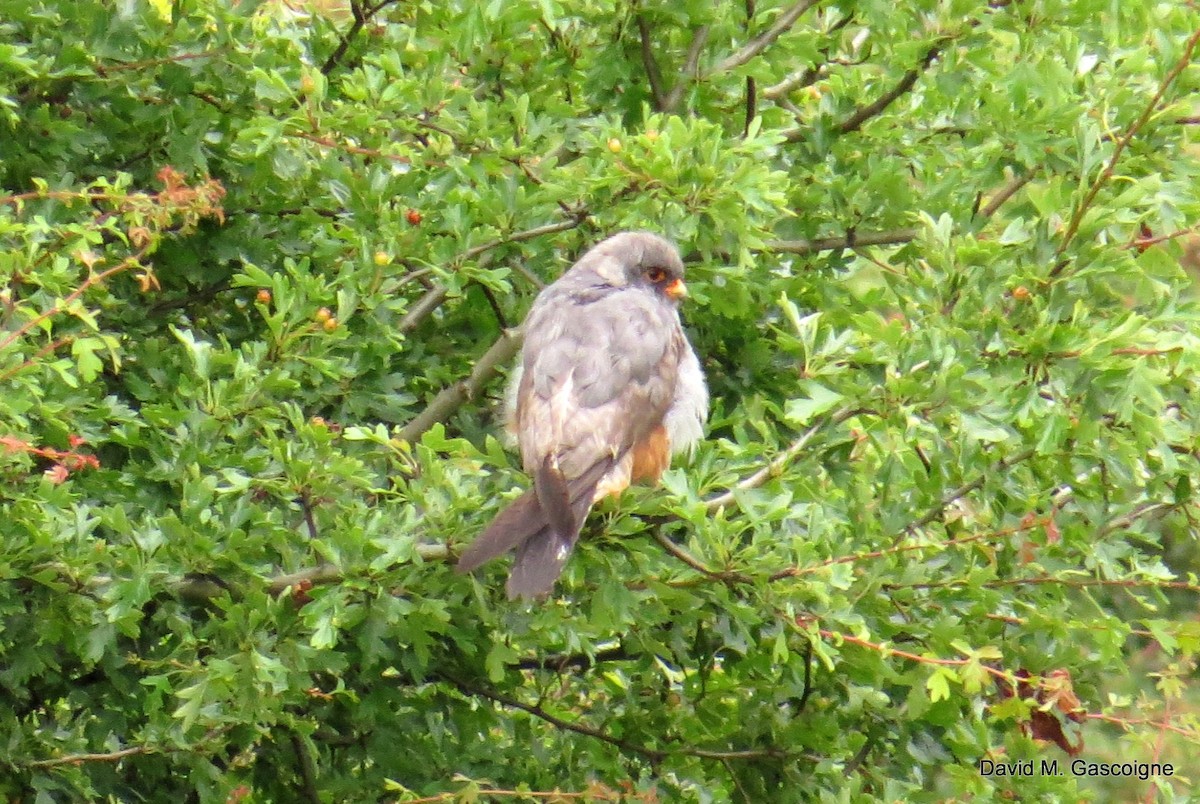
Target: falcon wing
[
  {"x": 598, "y": 377},
  {"x": 599, "y": 373}
]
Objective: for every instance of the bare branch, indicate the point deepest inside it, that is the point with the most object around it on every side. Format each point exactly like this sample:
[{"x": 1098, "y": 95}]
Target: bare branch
[
  {"x": 653, "y": 74},
  {"x": 452, "y": 398},
  {"x": 760, "y": 43},
  {"x": 850, "y": 240},
  {"x": 327, "y": 574},
  {"x": 864, "y": 113},
  {"x": 76, "y": 759},
  {"x": 1004, "y": 193},
  {"x": 781, "y": 460},
  {"x": 690, "y": 71},
  {"x": 801, "y": 78}
]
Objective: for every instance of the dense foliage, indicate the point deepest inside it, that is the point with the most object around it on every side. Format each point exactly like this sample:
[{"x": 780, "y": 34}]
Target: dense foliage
[{"x": 261, "y": 265}]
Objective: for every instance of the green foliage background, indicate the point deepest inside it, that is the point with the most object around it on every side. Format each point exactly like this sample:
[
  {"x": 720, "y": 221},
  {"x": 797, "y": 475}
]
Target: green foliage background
[{"x": 248, "y": 404}]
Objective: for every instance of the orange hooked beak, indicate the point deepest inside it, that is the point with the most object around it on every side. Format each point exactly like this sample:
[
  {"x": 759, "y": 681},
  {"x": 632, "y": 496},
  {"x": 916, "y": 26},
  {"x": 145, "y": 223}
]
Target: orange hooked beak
[{"x": 676, "y": 290}]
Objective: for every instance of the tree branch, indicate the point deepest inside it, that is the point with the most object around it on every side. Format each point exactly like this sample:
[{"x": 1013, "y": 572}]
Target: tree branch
[
  {"x": 689, "y": 72},
  {"x": 308, "y": 769},
  {"x": 540, "y": 713},
  {"x": 423, "y": 308},
  {"x": 776, "y": 465},
  {"x": 854, "y": 558},
  {"x": 893, "y": 237},
  {"x": 653, "y": 74},
  {"x": 654, "y": 754},
  {"x": 76, "y": 759},
  {"x": 362, "y": 15},
  {"x": 326, "y": 574},
  {"x": 800, "y": 78},
  {"x": 452, "y": 398},
  {"x": 963, "y": 490},
  {"x": 864, "y": 113},
  {"x": 849, "y": 240},
  {"x": 435, "y": 296},
  {"x": 1004, "y": 193},
  {"x": 578, "y": 661},
  {"x": 327, "y": 142},
  {"x": 1089, "y": 198},
  {"x": 760, "y": 43},
  {"x": 809, "y": 75},
  {"x": 695, "y": 563},
  {"x": 92, "y": 280}
]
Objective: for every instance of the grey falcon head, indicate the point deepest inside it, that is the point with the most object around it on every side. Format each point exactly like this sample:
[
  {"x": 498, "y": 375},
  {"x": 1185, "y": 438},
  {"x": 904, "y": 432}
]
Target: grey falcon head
[{"x": 634, "y": 259}]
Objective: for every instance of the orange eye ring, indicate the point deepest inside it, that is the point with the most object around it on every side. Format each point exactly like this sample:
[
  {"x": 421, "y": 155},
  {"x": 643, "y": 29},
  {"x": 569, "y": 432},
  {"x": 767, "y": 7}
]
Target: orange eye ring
[{"x": 656, "y": 275}]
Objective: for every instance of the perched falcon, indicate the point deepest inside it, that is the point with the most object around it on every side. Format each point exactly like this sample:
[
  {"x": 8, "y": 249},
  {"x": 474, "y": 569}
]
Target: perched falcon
[{"x": 608, "y": 389}]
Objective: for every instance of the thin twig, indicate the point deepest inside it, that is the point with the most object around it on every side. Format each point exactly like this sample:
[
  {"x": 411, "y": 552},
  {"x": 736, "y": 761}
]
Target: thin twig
[
  {"x": 809, "y": 75},
  {"x": 1129, "y": 723},
  {"x": 963, "y": 490},
  {"x": 887, "y": 650},
  {"x": 326, "y": 574},
  {"x": 528, "y": 234},
  {"x": 576, "y": 661},
  {"x": 437, "y": 295},
  {"x": 489, "y": 793},
  {"x": 849, "y": 240},
  {"x": 120, "y": 66},
  {"x": 654, "y": 754},
  {"x": 695, "y": 563},
  {"x": 494, "y": 304},
  {"x": 60, "y": 307},
  {"x": 350, "y": 149},
  {"x": 554, "y": 720},
  {"x": 76, "y": 759},
  {"x": 1143, "y": 510},
  {"x": 862, "y": 114},
  {"x": 1050, "y": 580},
  {"x": 776, "y": 465},
  {"x": 1004, "y": 193},
  {"x": 854, "y": 558},
  {"x": 1077, "y": 218},
  {"x": 1154, "y": 240}
]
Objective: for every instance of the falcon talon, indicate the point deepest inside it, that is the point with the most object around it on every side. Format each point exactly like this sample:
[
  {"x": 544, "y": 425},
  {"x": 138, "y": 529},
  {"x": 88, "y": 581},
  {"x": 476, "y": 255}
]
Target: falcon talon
[{"x": 608, "y": 389}]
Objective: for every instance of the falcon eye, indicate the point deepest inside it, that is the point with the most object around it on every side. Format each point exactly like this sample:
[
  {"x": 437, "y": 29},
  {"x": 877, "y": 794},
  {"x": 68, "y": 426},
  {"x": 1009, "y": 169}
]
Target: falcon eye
[{"x": 656, "y": 275}]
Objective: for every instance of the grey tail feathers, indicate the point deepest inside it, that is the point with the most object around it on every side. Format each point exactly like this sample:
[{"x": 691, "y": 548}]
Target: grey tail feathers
[{"x": 542, "y": 534}]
